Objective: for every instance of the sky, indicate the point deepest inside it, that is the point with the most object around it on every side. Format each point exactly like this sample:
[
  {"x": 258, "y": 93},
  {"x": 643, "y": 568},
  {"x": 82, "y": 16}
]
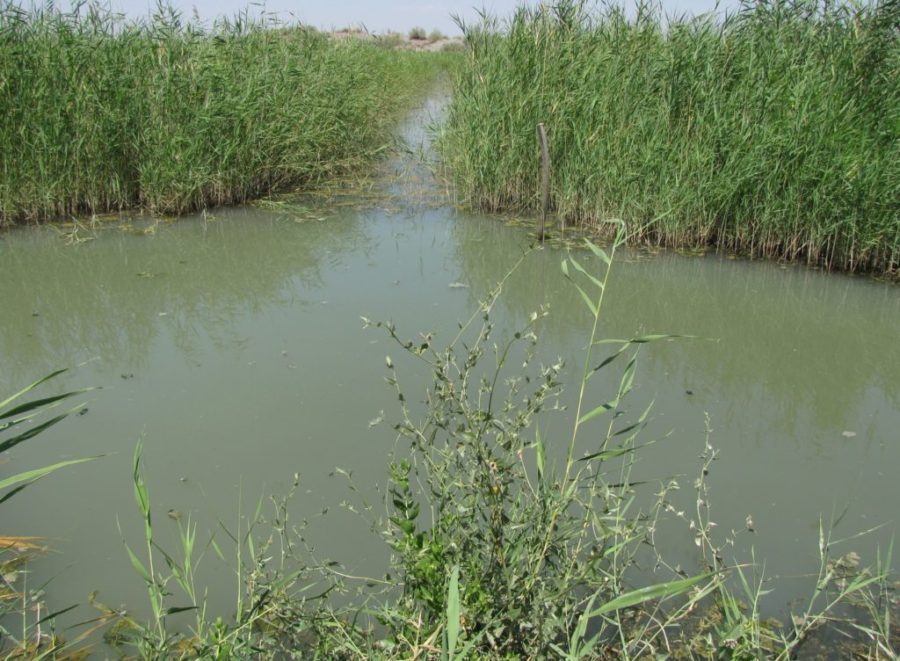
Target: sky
[{"x": 377, "y": 16}]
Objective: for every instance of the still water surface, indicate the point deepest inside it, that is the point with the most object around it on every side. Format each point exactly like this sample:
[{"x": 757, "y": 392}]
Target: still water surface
[{"x": 232, "y": 344}]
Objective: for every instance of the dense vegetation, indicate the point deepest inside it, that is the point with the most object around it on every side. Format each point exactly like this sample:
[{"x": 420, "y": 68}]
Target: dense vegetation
[
  {"x": 97, "y": 114},
  {"x": 774, "y": 131},
  {"x": 504, "y": 544}
]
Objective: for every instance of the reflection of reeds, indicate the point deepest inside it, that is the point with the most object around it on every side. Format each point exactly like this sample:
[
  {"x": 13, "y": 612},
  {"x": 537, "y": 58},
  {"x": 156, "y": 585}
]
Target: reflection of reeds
[
  {"x": 771, "y": 132},
  {"x": 750, "y": 307},
  {"x": 102, "y": 115},
  {"x": 178, "y": 271}
]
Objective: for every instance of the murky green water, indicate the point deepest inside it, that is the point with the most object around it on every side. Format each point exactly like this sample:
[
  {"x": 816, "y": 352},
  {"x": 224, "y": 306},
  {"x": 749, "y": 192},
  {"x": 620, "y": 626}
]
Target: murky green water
[{"x": 233, "y": 346}]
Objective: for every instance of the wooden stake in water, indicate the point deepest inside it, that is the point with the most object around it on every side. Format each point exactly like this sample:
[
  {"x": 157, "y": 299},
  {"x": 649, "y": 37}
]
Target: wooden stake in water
[{"x": 545, "y": 177}]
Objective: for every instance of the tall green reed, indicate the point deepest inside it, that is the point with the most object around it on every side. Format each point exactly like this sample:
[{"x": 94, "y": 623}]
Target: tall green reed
[
  {"x": 771, "y": 131},
  {"x": 97, "y": 114},
  {"x": 278, "y": 599},
  {"x": 26, "y": 625}
]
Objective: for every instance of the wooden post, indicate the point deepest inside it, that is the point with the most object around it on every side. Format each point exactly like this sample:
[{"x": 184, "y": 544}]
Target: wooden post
[{"x": 545, "y": 178}]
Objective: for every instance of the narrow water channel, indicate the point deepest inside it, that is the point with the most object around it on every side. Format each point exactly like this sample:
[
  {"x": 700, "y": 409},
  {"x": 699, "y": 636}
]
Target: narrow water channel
[{"x": 231, "y": 343}]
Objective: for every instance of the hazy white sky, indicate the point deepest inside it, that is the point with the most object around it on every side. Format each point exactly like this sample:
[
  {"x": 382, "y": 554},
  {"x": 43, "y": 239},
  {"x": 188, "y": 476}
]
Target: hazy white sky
[{"x": 376, "y": 15}]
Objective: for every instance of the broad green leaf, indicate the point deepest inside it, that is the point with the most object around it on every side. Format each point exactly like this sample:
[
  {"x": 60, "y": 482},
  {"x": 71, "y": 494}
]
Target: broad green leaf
[
  {"x": 34, "y": 431},
  {"x": 179, "y": 609},
  {"x": 55, "y": 614},
  {"x": 644, "y": 339},
  {"x": 597, "y": 250},
  {"x": 259, "y": 506},
  {"x": 628, "y": 484},
  {"x": 640, "y": 422},
  {"x": 627, "y": 377},
  {"x": 603, "y": 408},
  {"x": 603, "y": 455},
  {"x": 39, "y": 403},
  {"x": 575, "y": 647},
  {"x": 582, "y": 270},
  {"x": 612, "y": 550},
  {"x": 587, "y": 300},
  {"x": 263, "y": 598},
  {"x": 609, "y": 359},
  {"x": 658, "y": 591},
  {"x": 559, "y": 650},
  {"x": 138, "y": 565},
  {"x": 12, "y": 493},
  {"x": 141, "y": 496},
  {"x": 38, "y": 473},
  {"x": 30, "y": 388},
  {"x": 453, "y": 612},
  {"x": 539, "y": 445},
  {"x": 290, "y": 577},
  {"x": 408, "y": 527},
  {"x": 627, "y": 429}
]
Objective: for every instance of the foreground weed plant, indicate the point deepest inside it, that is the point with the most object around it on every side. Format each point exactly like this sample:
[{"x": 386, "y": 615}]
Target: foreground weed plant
[
  {"x": 540, "y": 551},
  {"x": 280, "y": 588}
]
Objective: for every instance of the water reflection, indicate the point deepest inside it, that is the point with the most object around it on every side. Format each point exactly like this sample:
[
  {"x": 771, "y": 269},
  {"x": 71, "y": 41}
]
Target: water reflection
[
  {"x": 817, "y": 346},
  {"x": 112, "y": 297}
]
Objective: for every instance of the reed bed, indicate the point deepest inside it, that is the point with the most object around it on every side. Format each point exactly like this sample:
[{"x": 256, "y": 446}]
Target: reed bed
[
  {"x": 773, "y": 131},
  {"x": 99, "y": 114}
]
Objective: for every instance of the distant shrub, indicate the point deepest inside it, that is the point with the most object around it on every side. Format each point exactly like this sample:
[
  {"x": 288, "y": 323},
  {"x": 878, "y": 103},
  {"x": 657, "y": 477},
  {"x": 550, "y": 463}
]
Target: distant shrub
[
  {"x": 417, "y": 34},
  {"x": 435, "y": 35},
  {"x": 390, "y": 40}
]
